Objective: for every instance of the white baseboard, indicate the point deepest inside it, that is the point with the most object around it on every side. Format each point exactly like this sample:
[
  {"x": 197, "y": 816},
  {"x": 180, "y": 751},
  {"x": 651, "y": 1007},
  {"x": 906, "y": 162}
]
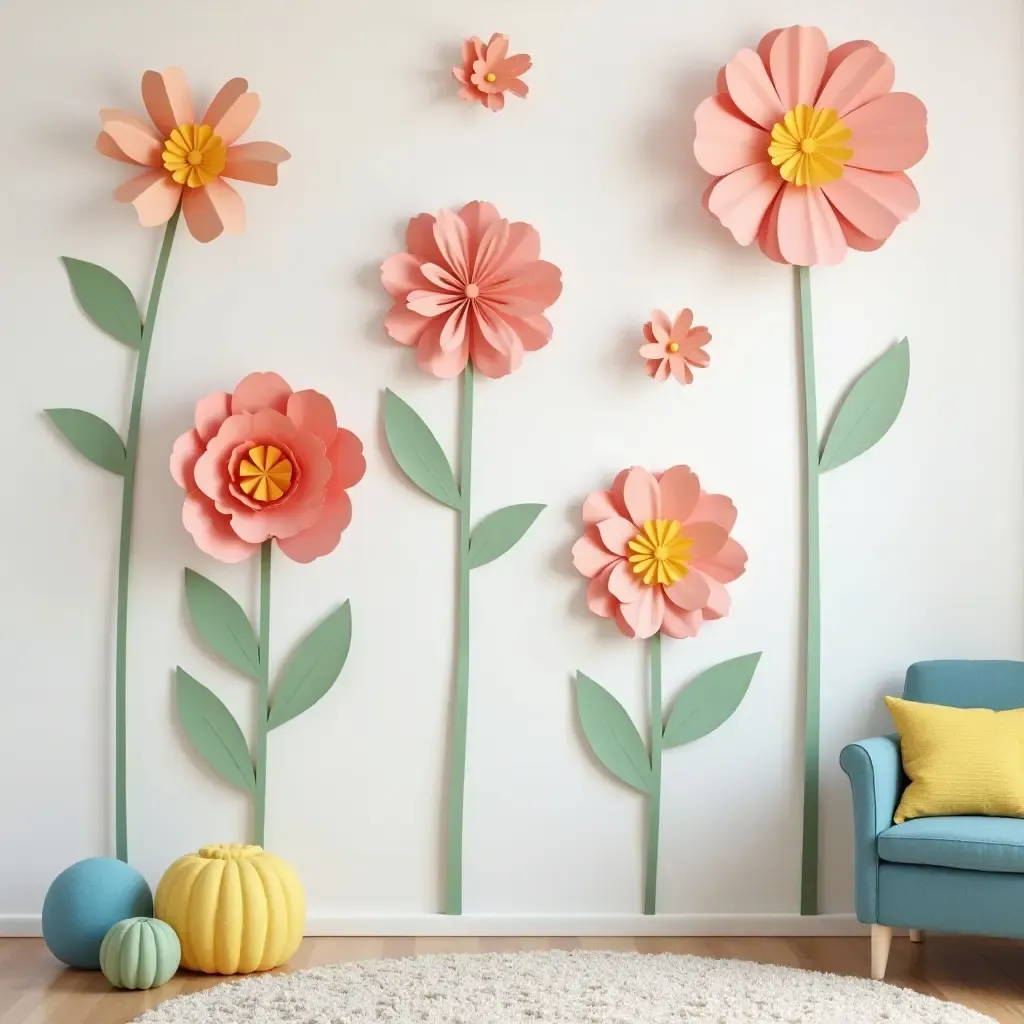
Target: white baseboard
[{"x": 567, "y": 925}]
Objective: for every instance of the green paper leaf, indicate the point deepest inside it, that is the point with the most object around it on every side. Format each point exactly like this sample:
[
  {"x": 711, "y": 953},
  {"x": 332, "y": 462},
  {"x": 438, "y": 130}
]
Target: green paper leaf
[
  {"x": 612, "y": 735},
  {"x": 497, "y": 533},
  {"x": 709, "y": 700},
  {"x": 219, "y": 620},
  {"x": 96, "y": 439},
  {"x": 870, "y": 407},
  {"x": 313, "y": 667},
  {"x": 106, "y": 300},
  {"x": 214, "y": 733},
  {"x": 416, "y": 450}
]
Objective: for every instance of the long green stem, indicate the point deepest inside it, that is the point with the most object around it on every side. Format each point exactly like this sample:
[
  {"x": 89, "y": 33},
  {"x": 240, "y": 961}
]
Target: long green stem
[
  {"x": 263, "y": 698},
  {"x": 812, "y": 598},
  {"x": 654, "y": 798},
  {"x": 125, "y": 549},
  {"x": 460, "y": 714}
]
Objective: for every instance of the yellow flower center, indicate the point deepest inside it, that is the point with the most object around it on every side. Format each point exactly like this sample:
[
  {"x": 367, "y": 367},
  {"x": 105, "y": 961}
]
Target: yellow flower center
[
  {"x": 673, "y": 346},
  {"x": 194, "y": 155},
  {"x": 660, "y": 552},
  {"x": 808, "y": 146},
  {"x": 490, "y": 77},
  {"x": 266, "y": 474}
]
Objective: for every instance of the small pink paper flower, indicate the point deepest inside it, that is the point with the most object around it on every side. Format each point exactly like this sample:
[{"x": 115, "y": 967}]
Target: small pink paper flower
[
  {"x": 471, "y": 286},
  {"x": 266, "y": 462},
  {"x": 487, "y": 71},
  {"x": 658, "y": 554},
  {"x": 672, "y": 348},
  {"x": 808, "y": 147},
  {"x": 188, "y": 160}
]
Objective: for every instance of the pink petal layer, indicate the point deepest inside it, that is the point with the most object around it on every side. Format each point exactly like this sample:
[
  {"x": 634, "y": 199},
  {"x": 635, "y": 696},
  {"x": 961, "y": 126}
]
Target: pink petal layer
[
  {"x": 168, "y": 99},
  {"x": 680, "y": 491},
  {"x": 752, "y": 91},
  {"x": 313, "y": 412},
  {"x": 212, "y": 209},
  {"x": 889, "y": 133},
  {"x": 589, "y": 555},
  {"x": 715, "y": 508},
  {"x": 644, "y": 616},
  {"x": 323, "y": 536},
  {"x": 616, "y": 535},
  {"x": 808, "y": 230},
  {"x": 725, "y": 140},
  {"x": 154, "y": 194},
  {"x": 707, "y": 540},
  {"x": 187, "y": 449},
  {"x": 256, "y": 162},
  {"x": 642, "y": 495},
  {"x": 599, "y": 599},
  {"x": 864, "y": 74},
  {"x": 348, "y": 464},
  {"x": 211, "y": 412},
  {"x": 237, "y": 117},
  {"x": 212, "y": 531},
  {"x": 226, "y": 97},
  {"x": 680, "y": 624},
  {"x": 400, "y": 275},
  {"x": 624, "y": 584},
  {"x": 135, "y": 139},
  {"x": 740, "y": 200},
  {"x": 874, "y": 202},
  {"x": 797, "y": 63},
  {"x": 260, "y": 391},
  {"x": 691, "y": 593},
  {"x": 404, "y": 325},
  {"x": 726, "y": 565}
]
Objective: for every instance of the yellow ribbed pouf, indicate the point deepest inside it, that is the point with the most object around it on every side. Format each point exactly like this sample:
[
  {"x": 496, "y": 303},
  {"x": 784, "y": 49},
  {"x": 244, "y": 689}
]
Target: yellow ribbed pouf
[{"x": 236, "y": 909}]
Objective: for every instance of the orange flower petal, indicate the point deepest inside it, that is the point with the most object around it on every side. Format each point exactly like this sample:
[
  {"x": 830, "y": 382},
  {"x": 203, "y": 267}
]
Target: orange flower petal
[
  {"x": 135, "y": 139},
  {"x": 255, "y": 161},
  {"x": 213, "y": 209},
  {"x": 153, "y": 194},
  {"x": 168, "y": 99}
]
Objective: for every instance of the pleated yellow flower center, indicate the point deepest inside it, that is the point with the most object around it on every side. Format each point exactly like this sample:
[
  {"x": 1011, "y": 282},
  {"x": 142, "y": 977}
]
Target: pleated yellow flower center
[
  {"x": 660, "y": 552},
  {"x": 266, "y": 475},
  {"x": 194, "y": 155},
  {"x": 808, "y": 146}
]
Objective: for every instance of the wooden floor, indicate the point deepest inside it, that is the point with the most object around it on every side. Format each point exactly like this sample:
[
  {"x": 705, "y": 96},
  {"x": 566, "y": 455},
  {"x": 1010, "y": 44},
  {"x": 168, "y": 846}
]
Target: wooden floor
[{"x": 986, "y": 974}]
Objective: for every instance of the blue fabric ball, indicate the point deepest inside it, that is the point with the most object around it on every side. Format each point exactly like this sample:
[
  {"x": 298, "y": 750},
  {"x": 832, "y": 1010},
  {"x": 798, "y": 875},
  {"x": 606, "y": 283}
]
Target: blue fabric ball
[{"x": 84, "y": 901}]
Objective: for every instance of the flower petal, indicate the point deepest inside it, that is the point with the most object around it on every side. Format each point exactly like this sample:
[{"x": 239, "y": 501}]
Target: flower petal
[
  {"x": 719, "y": 602},
  {"x": 691, "y": 592},
  {"x": 433, "y": 303},
  {"x": 323, "y": 536},
  {"x": 680, "y": 624},
  {"x": 726, "y": 140},
  {"x": 856, "y": 239},
  {"x": 661, "y": 327},
  {"x": 874, "y": 202},
  {"x": 601, "y": 505},
  {"x": 348, "y": 463},
  {"x": 259, "y": 391},
  {"x": 168, "y": 99},
  {"x": 497, "y": 48},
  {"x": 644, "y": 616},
  {"x": 211, "y": 530},
  {"x": 681, "y": 326},
  {"x": 768, "y": 233},
  {"x": 431, "y": 358},
  {"x": 400, "y": 274},
  {"x": 134, "y": 139},
  {"x": 797, "y": 63},
  {"x": 712, "y": 508},
  {"x": 419, "y": 239},
  {"x": 808, "y": 230},
  {"x": 533, "y": 331},
  {"x": 226, "y": 97},
  {"x": 314, "y": 413},
  {"x": 154, "y": 194},
  {"x": 707, "y": 539},
  {"x": 741, "y": 199},
  {"x": 616, "y": 533},
  {"x": 212, "y": 209},
  {"x": 599, "y": 598},
  {"x": 889, "y": 133},
  {"x": 680, "y": 492},
  {"x": 652, "y": 350},
  {"x": 642, "y": 495},
  {"x": 404, "y": 325},
  {"x": 752, "y": 91},
  {"x": 211, "y": 411},
  {"x": 187, "y": 449},
  {"x": 452, "y": 237},
  {"x": 589, "y": 556},
  {"x": 863, "y": 74},
  {"x": 232, "y": 111},
  {"x": 623, "y": 583},
  {"x": 255, "y": 161},
  {"x": 727, "y": 565}
]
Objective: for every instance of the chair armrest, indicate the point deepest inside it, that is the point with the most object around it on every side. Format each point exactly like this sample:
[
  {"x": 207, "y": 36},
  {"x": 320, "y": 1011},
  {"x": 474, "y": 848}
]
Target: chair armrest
[{"x": 876, "y": 778}]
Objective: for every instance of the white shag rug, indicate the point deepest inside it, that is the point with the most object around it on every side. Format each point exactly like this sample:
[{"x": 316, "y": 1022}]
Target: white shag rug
[{"x": 557, "y": 988}]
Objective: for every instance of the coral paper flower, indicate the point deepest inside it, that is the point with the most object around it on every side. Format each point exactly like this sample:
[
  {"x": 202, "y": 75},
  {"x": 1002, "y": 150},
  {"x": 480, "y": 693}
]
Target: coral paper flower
[
  {"x": 471, "y": 286},
  {"x": 266, "y": 462},
  {"x": 672, "y": 348},
  {"x": 808, "y": 147},
  {"x": 658, "y": 554},
  {"x": 487, "y": 71},
  {"x": 188, "y": 160}
]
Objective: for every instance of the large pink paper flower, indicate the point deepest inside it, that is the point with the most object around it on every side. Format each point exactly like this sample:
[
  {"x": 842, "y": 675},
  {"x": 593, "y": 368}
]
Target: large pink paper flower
[
  {"x": 188, "y": 160},
  {"x": 266, "y": 462},
  {"x": 673, "y": 347},
  {"x": 488, "y": 72},
  {"x": 471, "y": 286},
  {"x": 658, "y": 553},
  {"x": 808, "y": 147}
]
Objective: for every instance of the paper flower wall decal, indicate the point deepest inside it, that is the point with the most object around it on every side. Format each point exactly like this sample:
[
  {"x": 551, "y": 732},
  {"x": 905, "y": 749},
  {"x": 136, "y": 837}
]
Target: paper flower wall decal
[
  {"x": 808, "y": 147},
  {"x": 266, "y": 463},
  {"x": 673, "y": 347},
  {"x": 471, "y": 287},
  {"x": 262, "y": 464},
  {"x": 487, "y": 72},
  {"x": 658, "y": 552},
  {"x": 188, "y": 160}
]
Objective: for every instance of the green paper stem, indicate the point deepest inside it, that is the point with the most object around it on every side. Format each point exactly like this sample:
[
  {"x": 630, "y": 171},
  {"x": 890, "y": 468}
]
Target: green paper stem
[
  {"x": 654, "y": 797},
  {"x": 812, "y": 610},
  {"x": 263, "y": 698},
  {"x": 460, "y": 711},
  {"x": 125, "y": 548}
]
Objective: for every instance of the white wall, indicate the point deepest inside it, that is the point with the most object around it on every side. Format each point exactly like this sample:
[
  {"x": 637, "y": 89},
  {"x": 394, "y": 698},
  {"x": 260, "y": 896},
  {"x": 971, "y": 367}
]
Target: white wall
[{"x": 922, "y": 539}]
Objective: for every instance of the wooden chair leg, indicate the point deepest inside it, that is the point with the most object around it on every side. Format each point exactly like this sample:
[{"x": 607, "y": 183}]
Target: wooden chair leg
[
  {"x": 881, "y": 939},
  {"x": 916, "y": 935}
]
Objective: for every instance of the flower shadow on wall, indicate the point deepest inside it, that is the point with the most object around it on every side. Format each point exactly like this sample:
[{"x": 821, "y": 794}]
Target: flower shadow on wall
[
  {"x": 470, "y": 295},
  {"x": 186, "y": 163},
  {"x": 658, "y": 551},
  {"x": 262, "y": 464},
  {"x": 808, "y": 147}
]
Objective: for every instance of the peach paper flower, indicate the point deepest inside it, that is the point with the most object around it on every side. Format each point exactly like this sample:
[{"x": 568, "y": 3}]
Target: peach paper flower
[
  {"x": 658, "y": 554},
  {"x": 471, "y": 286},
  {"x": 266, "y": 462},
  {"x": 188, "y": 160},
  {"x": 487, "y": 71},
  {"x": 672, "y": 348},
  {"x": 808, "y": 147}
]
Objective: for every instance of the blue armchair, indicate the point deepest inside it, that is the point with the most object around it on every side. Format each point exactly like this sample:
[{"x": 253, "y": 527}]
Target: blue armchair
[{"x": 950, "y": 874}]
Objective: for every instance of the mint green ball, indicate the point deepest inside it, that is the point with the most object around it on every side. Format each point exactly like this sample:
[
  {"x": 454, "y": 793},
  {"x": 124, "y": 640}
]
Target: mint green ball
[{"x": 140, "y": 952}]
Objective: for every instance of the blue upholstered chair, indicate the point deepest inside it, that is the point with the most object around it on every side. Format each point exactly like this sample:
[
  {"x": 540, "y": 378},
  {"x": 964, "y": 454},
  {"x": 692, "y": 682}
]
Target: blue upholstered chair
[{"x": 950, "y": 874}]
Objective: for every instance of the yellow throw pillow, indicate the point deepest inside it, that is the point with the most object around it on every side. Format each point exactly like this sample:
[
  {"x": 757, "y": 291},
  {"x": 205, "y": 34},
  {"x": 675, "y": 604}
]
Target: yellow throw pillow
[{"x": 959, "y": 760}]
